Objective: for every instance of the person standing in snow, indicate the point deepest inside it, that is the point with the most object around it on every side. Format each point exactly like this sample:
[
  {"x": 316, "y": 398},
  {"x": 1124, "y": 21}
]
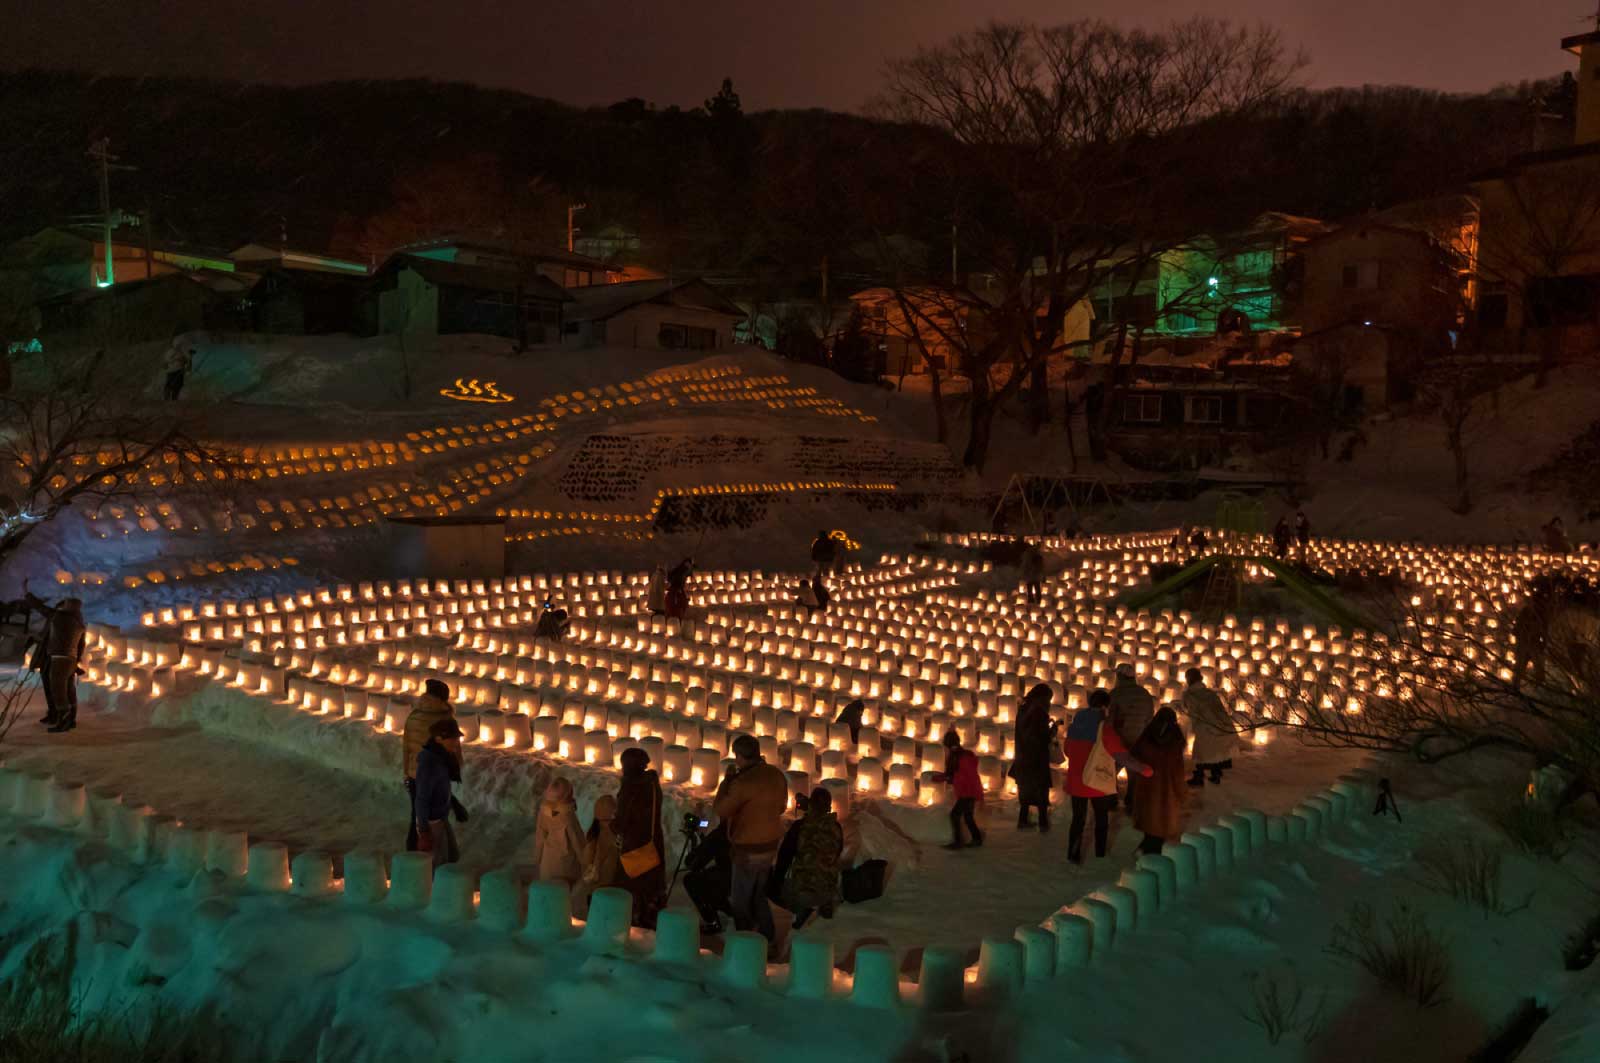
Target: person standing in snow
[
  {"x": 58, "y": 657},
  {"x": 1091, "y": 727},
  {"x": 1555, "y": 536},
  {"x": 638, "y": 825},
  {"x": 1131, "y": 710},
  {"x": 1030, "y": 762},
  {"x": 751, "y": 802},
  {"x": 961, "y": 775},
  {"x": 1033, "y": 573},
  {"x": 655, "y": 595},
  {"x": 602, "y": 863},
  {"x": 813, "y": 880},
  {"x": 1198, "y": 541},
  {"x": 1302, "y": 530},
  {"x": 1158, "y": 806},
  {"x": 558, "y": 843},
  {"x": 436, "y": 766},
  {"x": 824, "y": 553},
  {"x": 677, "y": 604},
  {"x": 178, "y": 363},
  {"x": 1215, "y": 737},
  {"x": 430, "y": 708},
  {"x": 1280, "y": 538}
]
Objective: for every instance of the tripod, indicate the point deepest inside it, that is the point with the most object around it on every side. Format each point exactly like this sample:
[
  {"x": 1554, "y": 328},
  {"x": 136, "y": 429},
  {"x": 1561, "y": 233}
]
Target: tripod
[{"x": 691, "y": 836}]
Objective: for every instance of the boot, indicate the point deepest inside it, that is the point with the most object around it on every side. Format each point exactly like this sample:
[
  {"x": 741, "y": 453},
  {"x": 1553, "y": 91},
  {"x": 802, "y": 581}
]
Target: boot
[
  {"x": 977, "y": 840},
  {"x": 1023, "y": 822},
  {"x": 1198, "y": 778},
  {"x": 1044, "y": 819},
  {"x": 63, "y": 727}
]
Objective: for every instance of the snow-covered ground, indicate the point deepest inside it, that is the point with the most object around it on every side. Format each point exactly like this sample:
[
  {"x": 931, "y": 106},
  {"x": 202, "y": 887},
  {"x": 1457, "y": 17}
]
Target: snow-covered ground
[{"x": 328, "y": 979}]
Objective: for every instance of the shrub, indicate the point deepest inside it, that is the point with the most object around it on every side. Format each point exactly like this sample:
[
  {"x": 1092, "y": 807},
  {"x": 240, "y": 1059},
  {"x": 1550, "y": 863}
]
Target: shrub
[
  {"x": 1534, "y": 827},
  {"x": 41, "y": 1019},
  {"x": 1404, "y": 954},
  {"x": 1469, "y": 871},
  {"x": 1277, "y": 1004},
  {"x": 1582, "y": 945}
]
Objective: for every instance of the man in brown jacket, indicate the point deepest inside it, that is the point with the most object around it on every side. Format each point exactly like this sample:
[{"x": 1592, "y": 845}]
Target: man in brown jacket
[
  {"x": 750, "y": 803},
  {"x": 430, "y": 708}
]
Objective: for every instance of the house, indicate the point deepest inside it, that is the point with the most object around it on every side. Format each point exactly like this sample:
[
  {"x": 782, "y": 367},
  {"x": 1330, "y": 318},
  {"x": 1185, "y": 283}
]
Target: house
[
  {"x": 1191, "y": 415},
  {"x": 567, "y": 269},
  {"x": 918, "y": 329},
  {"x": 294, "y": 301},
  {"x": 56, "y": 260},
  {"x": 1225, "y": 280},
  {"x": 136, "y": 311},
  {"x": 612, "y": 244},
  {"x": 1370, "y": 273},
  {"x": 1539, "y": 246},
  {"x": 419, "y": 296},
  {"x": 652, "y": 314}
]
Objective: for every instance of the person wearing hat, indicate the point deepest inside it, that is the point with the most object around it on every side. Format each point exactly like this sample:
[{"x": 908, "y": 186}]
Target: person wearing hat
[
  {"x": 1132, "y": 709},
  {"x": 430, "y": 708},
  {"x": 436, "y": 766},
  {"x": 637, "y": 826}
]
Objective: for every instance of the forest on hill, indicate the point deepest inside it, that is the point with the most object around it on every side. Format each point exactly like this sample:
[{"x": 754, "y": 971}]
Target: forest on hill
[{"x": 356, "y": 167}]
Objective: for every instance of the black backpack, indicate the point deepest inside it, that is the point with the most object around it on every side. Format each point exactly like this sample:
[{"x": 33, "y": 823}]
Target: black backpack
[{"x": 864, "y": 882}]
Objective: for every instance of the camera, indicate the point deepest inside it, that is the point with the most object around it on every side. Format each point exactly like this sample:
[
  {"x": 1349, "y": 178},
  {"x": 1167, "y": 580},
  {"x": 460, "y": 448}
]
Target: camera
[
  {"x": 694, "y": 823},
  {"x": 801, "y": 803}
]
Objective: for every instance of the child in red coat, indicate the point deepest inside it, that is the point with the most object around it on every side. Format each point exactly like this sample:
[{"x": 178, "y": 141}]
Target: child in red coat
[{"x": 961, "y": 773}]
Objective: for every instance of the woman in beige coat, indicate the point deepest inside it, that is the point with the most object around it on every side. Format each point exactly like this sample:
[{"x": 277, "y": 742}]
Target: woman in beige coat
[{"x": 558, "y": 844}]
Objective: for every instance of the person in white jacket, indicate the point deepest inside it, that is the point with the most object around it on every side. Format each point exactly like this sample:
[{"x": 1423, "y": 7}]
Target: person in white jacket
[
  {"x": 558, "y": 843},
  {"x": 1215, "y": 737}
]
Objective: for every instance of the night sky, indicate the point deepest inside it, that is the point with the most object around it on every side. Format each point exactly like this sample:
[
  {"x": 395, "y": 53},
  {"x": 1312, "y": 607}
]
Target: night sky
[{"x": 795, "y": 53}]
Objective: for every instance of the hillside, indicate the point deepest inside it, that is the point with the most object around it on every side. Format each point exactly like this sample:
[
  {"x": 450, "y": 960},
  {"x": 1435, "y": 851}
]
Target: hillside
[{"x": 218, "y": 162}]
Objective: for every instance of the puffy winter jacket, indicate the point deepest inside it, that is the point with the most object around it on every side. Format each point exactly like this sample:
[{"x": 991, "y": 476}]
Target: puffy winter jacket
[
  {"x": 558, "y": 843},
  {"x": 1080, "y": 741},
  {"x": 432, "y": 800},
  {"x": 414, "y": 736},
  {"x": 961, "y": 773},
  {"x": 751, "y": 804},
  {"x": 1215, "y": 738},
  {"x": 1132, "y": 709}
]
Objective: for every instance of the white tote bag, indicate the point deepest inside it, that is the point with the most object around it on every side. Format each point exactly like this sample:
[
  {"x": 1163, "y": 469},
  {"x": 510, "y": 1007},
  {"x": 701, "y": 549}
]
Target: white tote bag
[{"x": 1100, "y": 767}]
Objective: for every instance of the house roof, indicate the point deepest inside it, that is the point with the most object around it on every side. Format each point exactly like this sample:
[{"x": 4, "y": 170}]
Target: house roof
[
  {"x": 1359, "y": 227},
  {"x": 217, "y": 282},
  {"x": 515, "y": 248},
  {"x": 307, "y": 279},
  {"x": 600, "y": 301},
  {"x": 135, "y": 238},
  {"x": 482, "y": 278},
  {"x": 293, "y": 258},
  {"x": 1577, "y": 41}
]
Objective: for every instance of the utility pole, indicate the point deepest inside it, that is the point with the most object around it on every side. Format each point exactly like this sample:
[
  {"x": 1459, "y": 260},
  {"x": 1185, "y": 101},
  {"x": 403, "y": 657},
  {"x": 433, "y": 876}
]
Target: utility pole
[
  {"x": 149, "y": 256},
  {"x": 573, "y": 230},
  {"x": 101, "y": 149}
]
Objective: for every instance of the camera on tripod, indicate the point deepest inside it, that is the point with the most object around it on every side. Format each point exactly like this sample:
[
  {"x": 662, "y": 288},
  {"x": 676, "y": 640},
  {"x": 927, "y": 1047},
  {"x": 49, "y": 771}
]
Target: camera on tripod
[{"x": 693, "y": 823}]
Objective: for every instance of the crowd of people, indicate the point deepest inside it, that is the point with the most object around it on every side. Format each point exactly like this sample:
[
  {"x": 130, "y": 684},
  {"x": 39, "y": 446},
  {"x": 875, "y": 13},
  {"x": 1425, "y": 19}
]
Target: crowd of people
[
  {"x": 754, "y": 856},
  {"x": 758, "y": 854}
]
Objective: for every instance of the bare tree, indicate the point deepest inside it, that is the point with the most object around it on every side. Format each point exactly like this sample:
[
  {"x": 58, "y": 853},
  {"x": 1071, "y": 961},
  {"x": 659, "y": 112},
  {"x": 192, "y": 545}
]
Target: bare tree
[
  {"x": 79, "y": 431},
  {"x": 1071, "y": 138},
  {"x": 1541, "y": 223},
  {"x": 1434, "y": 682}
]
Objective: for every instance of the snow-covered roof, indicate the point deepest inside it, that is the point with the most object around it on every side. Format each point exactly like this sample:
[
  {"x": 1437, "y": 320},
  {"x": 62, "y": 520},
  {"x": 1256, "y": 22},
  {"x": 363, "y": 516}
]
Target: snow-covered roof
[
  {"x": 600, "y": 301},
  {"x": 483, "y": 278}
]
